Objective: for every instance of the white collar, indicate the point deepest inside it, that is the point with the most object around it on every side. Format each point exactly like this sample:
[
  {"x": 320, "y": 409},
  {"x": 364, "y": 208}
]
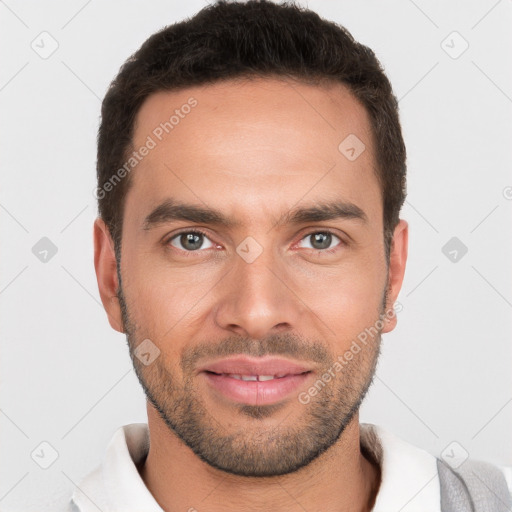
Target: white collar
[
  {"x": 409, "y": 478},
  {"x": 116, "y": 484},
  {"x": 409, "y": 474}
]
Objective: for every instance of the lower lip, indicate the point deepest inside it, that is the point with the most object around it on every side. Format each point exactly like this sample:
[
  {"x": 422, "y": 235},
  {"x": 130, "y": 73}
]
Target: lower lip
[{"x": 251, "y": 392}]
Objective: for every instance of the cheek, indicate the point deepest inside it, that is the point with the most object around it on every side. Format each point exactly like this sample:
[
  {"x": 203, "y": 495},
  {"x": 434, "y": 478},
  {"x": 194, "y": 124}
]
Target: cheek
[
  {"x": 167, "y": 298},
  {"x": 346, "y": 298}
]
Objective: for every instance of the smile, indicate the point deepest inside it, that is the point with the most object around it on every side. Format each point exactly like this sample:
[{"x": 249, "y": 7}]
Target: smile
[
  {"x": 259, "y": 389},
  {"x": 254, "y": 377}
]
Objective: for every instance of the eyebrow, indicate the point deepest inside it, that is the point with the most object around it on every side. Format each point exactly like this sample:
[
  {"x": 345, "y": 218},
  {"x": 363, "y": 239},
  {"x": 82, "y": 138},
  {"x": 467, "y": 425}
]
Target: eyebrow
[{"x": 171, "y": 210}]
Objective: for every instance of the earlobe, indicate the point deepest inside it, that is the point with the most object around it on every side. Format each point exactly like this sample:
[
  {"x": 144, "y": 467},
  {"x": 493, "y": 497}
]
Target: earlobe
[
  {"x": 106, "y": 273},
  {"x": 396, "y": 271}
]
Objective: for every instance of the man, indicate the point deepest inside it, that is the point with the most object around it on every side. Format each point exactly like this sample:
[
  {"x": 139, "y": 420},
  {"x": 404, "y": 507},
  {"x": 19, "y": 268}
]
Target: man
[{"x": 251, "y": 172}]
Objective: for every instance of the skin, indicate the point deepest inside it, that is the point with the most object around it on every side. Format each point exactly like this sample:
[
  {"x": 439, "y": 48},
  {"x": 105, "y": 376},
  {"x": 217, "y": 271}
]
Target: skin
[{"x": 254, "y": 150}]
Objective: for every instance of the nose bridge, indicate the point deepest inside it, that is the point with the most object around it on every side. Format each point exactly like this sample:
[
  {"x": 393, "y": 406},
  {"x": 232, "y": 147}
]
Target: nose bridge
[{"x": 256, "y": 301}]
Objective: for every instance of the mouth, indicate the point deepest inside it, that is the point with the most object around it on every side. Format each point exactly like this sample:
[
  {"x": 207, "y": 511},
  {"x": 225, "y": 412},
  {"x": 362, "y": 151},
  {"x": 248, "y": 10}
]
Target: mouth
[
  {"x": 253, "y": 378},
  {"x": 255, "y": 381}
]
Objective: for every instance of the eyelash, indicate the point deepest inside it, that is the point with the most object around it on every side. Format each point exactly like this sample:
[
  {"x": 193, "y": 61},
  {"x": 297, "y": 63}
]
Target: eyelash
[{"x": 200, "y": 232}]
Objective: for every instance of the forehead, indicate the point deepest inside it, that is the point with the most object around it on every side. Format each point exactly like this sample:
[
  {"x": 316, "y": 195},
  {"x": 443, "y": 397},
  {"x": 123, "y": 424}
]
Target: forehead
[{"x": 254, "y": 145}]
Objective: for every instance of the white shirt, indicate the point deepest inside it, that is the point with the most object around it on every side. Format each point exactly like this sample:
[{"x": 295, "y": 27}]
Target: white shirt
[{"x": 409, "y": 479}]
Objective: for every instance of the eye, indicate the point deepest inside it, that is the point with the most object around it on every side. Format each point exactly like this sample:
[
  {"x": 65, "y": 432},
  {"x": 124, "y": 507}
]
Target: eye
[
  {"x": 321, "y": 240},
  {"x": 190, "y": 241}
]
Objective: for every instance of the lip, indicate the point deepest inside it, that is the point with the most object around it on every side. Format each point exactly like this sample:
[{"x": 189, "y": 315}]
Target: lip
[
  {"x": 220, "y": 377},
  {"x": 243, "y": 365}
]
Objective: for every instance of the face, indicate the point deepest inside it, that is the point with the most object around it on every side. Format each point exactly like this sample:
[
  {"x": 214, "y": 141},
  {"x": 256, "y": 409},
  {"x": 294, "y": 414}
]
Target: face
[{"x": 252, "y": 260}]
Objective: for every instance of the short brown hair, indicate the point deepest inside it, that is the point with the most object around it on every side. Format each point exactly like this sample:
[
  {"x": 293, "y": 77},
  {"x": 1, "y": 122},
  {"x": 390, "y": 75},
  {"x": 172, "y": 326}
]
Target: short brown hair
[{"x": 258, "y": 38}]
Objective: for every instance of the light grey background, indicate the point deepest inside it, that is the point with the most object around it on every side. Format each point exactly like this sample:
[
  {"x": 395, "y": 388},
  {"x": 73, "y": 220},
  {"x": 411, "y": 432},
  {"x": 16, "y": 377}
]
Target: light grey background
[{"x": 65, "y": 375}]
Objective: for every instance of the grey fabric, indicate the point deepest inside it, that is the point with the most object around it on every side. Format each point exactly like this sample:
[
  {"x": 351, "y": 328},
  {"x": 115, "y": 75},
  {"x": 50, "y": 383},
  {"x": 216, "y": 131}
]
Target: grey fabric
[{"x": 475, "y": 486}]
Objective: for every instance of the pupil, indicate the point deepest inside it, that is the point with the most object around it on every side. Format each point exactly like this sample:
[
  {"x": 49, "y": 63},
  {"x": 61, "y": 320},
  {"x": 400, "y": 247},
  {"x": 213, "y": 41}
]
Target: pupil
[
  {"x": 191, "y": 241},
  {"x": 321, "y": 240}
]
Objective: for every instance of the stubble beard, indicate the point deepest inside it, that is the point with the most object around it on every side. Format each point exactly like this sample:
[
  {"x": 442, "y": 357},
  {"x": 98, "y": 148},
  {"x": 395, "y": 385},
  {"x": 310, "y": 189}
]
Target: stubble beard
[{"x": 264, "y": 450}]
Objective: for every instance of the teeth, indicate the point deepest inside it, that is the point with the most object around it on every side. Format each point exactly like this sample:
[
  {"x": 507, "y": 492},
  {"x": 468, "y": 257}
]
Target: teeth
[
  {"x": 255, "y": 377},
  {"x": 249, "y": 377}
]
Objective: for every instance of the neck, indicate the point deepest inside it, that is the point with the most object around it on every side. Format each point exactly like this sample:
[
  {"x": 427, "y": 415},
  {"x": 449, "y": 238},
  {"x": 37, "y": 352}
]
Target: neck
[{"x": 341, "y": 479}]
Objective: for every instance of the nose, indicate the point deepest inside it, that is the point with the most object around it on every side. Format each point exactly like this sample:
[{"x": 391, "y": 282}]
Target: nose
[{"x": 257, "y": 299}]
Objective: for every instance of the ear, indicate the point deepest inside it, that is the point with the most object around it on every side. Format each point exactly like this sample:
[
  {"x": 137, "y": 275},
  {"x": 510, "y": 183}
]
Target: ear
[
  {"x": 106, "y": 273},
  {"x": 396, "y": 270}
]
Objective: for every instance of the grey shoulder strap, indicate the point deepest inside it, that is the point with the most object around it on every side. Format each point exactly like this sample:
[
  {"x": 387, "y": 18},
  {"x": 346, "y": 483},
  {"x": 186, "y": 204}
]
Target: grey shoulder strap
[{"x": 475, "y": 486}]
